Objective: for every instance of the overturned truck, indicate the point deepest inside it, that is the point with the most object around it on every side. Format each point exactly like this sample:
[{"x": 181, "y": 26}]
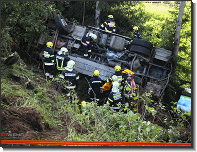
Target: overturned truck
[{"x": 150, "y": 64}]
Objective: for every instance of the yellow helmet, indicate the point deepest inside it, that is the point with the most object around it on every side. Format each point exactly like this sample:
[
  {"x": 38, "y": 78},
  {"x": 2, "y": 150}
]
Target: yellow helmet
[
  {"x": 110, "y": 16},
  {"x": 117, "y": 68},
  {"x": 49, "y": 44},
  {"x": 135, "y": 28},
  {"x": 96, "y": 73},
  {"x": 83, "y": 104}
]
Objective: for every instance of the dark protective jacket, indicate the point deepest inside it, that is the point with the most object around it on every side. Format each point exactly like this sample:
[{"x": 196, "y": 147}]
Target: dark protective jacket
[
  {"x": 86, "y": 40},
  {"x": 114, "y": 98},
  {"x": 119, "y": 75},
  {"x": 96, "y": 84},
  {"x": 109, "y": 25},
  {"x": 61, "y": 61},
  {"x": 48, "y": 56},
  {"x": 137, "y": 35},
  {"x": 71, "y": 77}
]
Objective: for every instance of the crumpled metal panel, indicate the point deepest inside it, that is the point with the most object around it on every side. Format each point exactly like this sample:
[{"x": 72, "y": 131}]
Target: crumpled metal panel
[
  {"x": 78, "y": 32},
  {"x": 117, "y": 43},
  {"x": 88, "y": 67}
]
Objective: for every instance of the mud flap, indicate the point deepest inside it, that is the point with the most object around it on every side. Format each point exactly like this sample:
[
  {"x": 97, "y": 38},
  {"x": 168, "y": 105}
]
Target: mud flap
[{"x": 88, "y": 67}]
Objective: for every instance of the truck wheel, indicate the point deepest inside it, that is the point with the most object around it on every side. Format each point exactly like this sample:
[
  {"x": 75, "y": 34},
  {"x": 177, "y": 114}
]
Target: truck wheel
[
  {"x": 140, "y": 49},
  {"x": 143, "y": 43},
  {"x": 60, "y": 22}
]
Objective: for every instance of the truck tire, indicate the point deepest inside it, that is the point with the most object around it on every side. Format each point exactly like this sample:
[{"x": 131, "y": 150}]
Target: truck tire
[
  {"x": 60, "y": 22},
  {"x": 140, "y": 49},
  {"x": 143, "y": 43}
]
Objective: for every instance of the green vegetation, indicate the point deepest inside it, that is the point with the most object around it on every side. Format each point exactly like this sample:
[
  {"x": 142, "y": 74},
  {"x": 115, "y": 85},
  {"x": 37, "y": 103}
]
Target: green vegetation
[
  {"x": 101, "y": 122},
  {"x": 24, "y": 21}
]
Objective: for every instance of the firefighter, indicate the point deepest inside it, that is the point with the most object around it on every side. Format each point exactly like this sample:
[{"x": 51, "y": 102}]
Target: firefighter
[
  {"x": 70, "y": 78},
  {"x": 87, "y": 42},
  {"x": 118, "y": 73},
  {"x": 109, "y": 25},
  {"x": 129, "y": 89},
  {"x": 48, "y": 61},
  {"x": 136, "y": 33},
  {"x": 95, "y": 90},
  {"x": 115, "y": 97},
  {"x": 61, "y": 60}
]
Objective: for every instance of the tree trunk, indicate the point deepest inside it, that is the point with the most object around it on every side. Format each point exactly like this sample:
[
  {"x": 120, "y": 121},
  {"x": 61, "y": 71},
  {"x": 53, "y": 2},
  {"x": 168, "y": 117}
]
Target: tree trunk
[
  {"x": 97, "y": 15},
  {"x": 178, "y": 28},
  {"x": 83, "y": 12}
]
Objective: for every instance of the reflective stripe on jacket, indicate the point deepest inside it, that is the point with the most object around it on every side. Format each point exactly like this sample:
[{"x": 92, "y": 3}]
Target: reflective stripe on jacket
[
  {"x": 48, "y": 56},
  {"x": 61, "y": 61},
  {"x": 96, "y": 84},
  {"x": 110, "y": 25},
  {"x": 114, "y": 98},
  {"x": 129, "y": 88}
]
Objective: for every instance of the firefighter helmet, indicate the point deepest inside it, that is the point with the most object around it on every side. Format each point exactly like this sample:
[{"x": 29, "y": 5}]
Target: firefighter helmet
[
  {"x": 114, "y": 78},
  {"x": 59, "y": 52},
  {"x": 71, "y": 64},
  {"x": 64, "y": 50},
  {"x": 49, "y": 44},
  {"x": 135, "y": 28},
  {"x": 117, "y": 68},
  {"x": 93, "y": 36},
  {"x": 110, "y": 16},
  {"x": 96, "y": 73}
]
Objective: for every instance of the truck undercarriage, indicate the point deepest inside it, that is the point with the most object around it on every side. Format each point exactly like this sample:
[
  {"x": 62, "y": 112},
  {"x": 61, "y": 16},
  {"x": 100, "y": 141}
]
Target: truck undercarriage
[{"x": 150, "y": 64}]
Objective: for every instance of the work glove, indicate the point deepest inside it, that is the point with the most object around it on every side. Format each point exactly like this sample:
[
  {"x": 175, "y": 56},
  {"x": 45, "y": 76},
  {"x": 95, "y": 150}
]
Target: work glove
[{"x": 89, "y": 50}]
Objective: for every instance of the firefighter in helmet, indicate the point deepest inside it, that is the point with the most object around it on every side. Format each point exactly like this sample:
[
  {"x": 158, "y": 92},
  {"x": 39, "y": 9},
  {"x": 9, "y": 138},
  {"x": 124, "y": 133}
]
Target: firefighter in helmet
[
  {"x": 109, "y": 25},
  {"x": 61, "y": 59},
  {"x": 136, "y": 33},
  {"x": 115, "y": 97},
  {"x": 95, "y": 90},
  {"x": 87, "y": 42},
  {"x": 118, "y": 73},
  {"x": 48, "y": 60},
  {"x": 129, "y": 89},
  {"x": 70, "y": 78}
]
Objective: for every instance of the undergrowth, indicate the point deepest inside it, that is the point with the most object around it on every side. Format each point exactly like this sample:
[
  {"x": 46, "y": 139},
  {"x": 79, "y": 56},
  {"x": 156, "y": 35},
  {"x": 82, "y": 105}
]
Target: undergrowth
[{"x": 102, "y": 122}]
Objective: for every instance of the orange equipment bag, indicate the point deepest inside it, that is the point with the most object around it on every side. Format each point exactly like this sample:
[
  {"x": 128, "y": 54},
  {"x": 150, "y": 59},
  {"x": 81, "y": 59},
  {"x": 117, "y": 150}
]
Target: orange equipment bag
[{"x": 107, "y": 86}]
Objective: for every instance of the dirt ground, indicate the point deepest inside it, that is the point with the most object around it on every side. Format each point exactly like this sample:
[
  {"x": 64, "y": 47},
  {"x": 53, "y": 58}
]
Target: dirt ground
[
  {"x": 28, "y": 123},
  {"x": 28, "y": 120}
]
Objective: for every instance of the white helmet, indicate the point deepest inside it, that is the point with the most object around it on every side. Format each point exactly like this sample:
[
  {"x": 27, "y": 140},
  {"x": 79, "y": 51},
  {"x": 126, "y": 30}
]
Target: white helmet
[
  {"x": 115, "y": 87},
  {"x": 64, "y": 50},
  {"x": 59, "y": 52},
  {"x": 70, "y": 64},
  {"x": 93, "y": 36},
  {"x": 114, "y": 78}
]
